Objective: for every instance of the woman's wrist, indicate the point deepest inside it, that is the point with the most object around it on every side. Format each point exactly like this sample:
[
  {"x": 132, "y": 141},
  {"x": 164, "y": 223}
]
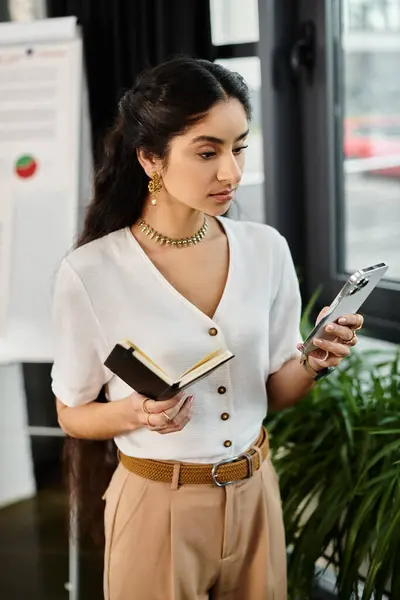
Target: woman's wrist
[
  {"x": 315, "y": 364},
  {"x": 314, "y": 368},
  {"x": 311, "y": 367}
]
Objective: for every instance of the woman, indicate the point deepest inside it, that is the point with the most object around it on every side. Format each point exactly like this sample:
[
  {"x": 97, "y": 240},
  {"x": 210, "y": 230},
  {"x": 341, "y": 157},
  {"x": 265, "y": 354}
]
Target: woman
[{"x": 157, "y": 264}]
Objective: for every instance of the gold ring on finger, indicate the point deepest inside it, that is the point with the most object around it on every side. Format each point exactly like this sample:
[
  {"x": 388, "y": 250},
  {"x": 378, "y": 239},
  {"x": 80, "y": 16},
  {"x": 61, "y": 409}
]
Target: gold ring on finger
[
  {"x": 354, "y": 341},
  {"x": 149, "y": 425},
  {"x": 144, "y": 409},
  {"x": 167, "y": 416},
  {"x": 350, "y": 341},
  {"x": 359, "y": 326}
]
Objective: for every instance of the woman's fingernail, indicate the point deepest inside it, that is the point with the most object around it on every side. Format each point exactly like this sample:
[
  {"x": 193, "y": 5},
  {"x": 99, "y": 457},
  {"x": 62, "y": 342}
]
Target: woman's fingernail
[
  {"x": 317, "y": 341},
  {"x": 342, "y": 320},
  {"x": 329, "y": 328}
]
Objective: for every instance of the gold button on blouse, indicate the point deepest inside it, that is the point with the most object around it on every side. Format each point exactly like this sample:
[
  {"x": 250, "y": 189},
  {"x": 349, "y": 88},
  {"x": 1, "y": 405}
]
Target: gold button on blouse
[
  {"x": 221, "y": 389},
  {"x": 224, "y": 416},
  {"x": 227, "y": 443},
  {"x": 212, "y": 331}
]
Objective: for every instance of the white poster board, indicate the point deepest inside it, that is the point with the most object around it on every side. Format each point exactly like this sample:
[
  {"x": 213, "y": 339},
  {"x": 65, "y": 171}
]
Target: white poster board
[
  {"x": 45, "y": 174},
  {"x": 6, "y": 226},
  {"x": 41, "y": 91}
]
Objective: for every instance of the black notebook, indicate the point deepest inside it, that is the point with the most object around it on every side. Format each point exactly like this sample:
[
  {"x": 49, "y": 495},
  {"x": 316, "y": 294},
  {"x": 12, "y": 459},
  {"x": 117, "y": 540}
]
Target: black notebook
[{"x": 143, "y": 375}]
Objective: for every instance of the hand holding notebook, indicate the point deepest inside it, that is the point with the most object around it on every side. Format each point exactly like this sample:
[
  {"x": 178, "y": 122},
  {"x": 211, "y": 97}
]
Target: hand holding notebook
[{"x": 143, "y": 375}]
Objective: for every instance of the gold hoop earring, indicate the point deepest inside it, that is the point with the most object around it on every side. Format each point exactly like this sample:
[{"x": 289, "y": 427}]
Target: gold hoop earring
[{"x": 155, "y": 187}]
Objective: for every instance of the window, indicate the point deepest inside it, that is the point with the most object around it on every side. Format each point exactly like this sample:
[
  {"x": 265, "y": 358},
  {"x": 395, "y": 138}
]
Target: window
[
  {"x": 351, "y": 153},
  {"x": 371, "y": 148},
  {"x": 371, "y": 15},
  {"x": 26, "y": 10},
  {"x": 234, "y": 21}
]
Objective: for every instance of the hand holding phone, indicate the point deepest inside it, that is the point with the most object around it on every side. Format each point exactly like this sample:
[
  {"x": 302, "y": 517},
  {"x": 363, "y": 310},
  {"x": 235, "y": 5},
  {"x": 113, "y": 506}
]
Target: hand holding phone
[{"x": 349, "y": 300}]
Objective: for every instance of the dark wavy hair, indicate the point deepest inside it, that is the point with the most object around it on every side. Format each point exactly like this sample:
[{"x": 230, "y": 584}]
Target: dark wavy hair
[{"x": 165, "y": 101}]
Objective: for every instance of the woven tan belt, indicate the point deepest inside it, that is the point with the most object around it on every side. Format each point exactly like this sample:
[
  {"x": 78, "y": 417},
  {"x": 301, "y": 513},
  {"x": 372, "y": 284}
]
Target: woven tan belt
[{"x": 221, "y": 473}]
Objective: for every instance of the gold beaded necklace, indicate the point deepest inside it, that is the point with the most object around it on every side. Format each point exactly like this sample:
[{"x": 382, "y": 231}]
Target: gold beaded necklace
[{"x": 179, "y": 243}]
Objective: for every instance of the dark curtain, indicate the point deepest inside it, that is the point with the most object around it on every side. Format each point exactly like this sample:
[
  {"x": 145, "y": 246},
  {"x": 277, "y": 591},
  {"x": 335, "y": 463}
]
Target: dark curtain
[
  {"x": 122, "y": 37},
  {"x": 4, "y": 11}
]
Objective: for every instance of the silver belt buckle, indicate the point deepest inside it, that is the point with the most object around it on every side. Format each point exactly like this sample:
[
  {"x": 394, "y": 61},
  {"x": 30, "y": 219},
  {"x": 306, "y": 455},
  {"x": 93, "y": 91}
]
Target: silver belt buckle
[{"x": 227, "y": 461}]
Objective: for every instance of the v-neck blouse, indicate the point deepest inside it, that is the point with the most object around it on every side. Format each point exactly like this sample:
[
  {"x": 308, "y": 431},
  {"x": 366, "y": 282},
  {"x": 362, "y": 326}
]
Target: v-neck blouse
[
  {"x": 109, "y": 290},
  {"x": 151, "y": 266}
]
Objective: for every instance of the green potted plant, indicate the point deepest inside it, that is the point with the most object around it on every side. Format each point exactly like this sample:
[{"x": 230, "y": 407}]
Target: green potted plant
[{"x": 337, "y": 454}]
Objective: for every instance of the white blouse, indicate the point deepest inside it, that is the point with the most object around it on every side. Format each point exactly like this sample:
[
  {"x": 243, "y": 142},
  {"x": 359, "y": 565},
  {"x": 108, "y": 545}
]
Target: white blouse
[{"x": 109, "y": 290}]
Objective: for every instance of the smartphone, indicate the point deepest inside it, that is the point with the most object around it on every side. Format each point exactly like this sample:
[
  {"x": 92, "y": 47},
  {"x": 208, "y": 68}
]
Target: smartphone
[{"x": 348, "y": 301}]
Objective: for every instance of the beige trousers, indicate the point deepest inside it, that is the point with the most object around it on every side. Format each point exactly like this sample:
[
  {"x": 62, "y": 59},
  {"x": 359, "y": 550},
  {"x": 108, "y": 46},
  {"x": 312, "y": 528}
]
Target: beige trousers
[{"x": 195, "y": 542}]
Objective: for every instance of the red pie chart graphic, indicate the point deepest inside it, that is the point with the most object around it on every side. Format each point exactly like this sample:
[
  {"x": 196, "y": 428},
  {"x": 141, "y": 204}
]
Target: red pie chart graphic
[{"x": 26, "y": 166}]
